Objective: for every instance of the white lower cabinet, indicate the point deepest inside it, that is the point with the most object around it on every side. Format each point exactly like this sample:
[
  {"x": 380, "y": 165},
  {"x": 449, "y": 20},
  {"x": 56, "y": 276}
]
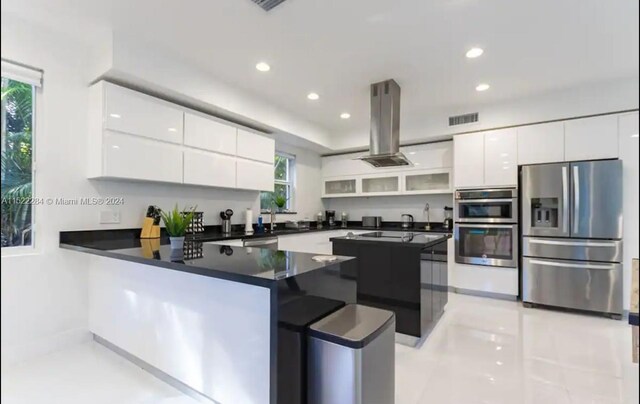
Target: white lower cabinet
[
  {"x": 313, "y": 243},
  {"x": 254, "y": 175},
  {"x": 126, "y": 156},
  {"x": 210, "y": 169}
]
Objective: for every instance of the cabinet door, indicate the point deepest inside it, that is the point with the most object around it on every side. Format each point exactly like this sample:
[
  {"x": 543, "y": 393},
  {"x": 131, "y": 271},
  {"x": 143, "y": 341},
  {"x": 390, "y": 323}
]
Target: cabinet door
[
  {"x": 134, "y": 157},
  {"x": 542, "y": 143},
  {"x": 427, "y": 181},
  {"x": 256, "y": 147},
  {"x": 591, "y": 138},
  {"x": 382, "y": 184},
  {"x": 431, "y": 155},
  {"x": 212, "y": 169},
  {"x": 334, "y": 187},
  {"x": 500, "y": 157},
  {"x": 134, "y": 113},
  {"x": 254, "y": 175},
  {"x": 345, "y": 165},
  {"x": 468, "y": 157},
  {"x": 208, "y": 134}
]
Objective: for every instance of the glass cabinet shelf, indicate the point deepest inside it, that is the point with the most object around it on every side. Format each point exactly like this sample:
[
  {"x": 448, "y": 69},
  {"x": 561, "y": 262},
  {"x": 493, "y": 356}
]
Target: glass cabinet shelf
[
  {"x": 427, "y": 182},
  {"x": 380, "y": 185},
  {"x": 340, "y": 187}
]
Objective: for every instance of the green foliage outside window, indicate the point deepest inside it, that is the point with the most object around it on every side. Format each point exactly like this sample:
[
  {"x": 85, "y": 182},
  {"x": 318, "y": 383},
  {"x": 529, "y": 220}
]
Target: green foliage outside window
[{"x": 17, "y": 160}]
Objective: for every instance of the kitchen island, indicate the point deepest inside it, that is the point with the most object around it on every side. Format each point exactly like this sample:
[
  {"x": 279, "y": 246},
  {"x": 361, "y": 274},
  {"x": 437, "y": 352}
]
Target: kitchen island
[
  {"x": 404, "y": 272},
  {"x": 221, "y": 323}
]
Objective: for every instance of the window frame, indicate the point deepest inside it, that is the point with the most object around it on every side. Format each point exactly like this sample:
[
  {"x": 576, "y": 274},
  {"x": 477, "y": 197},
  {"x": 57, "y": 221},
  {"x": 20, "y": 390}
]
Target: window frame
[
  {"x": 288, "y": 183},
  {"x": 36, "y": 99}
]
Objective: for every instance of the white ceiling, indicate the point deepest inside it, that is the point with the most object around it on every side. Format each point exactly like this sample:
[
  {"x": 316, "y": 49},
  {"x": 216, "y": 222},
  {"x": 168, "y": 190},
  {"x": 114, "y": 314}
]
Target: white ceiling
[{"x": 338, "y": 47}]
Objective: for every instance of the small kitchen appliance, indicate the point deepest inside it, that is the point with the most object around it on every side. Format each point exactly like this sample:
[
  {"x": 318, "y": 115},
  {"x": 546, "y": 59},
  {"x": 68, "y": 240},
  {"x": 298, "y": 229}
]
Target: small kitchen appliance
[
  {"x": 331, "y": 217},
  {"x": 344, "y": 220},
  {"x": 407, "y": 221},
  {"x": 447, "y": 223},
  {"x": 372, "y": 221}
]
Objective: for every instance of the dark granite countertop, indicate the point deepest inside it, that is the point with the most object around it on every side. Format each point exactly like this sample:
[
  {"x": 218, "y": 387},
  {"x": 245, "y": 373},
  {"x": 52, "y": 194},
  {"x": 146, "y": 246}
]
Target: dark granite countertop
[{"x": 398, "y": 238}]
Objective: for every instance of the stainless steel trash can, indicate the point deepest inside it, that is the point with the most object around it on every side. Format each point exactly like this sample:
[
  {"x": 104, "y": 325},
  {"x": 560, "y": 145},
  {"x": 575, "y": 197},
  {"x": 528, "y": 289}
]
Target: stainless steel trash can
[{"x": 352, "y": 357}]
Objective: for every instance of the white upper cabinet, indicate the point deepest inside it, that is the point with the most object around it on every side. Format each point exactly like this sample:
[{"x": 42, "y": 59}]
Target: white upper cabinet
[
  {"x": 254, "y": 175},
  {"x": 256, "y": 147},
  {"x": 501, "y": 158},
  {"x": 128, "y": 111},
  {"x": 139, "y": 158},
  {"x": 591, "y": 138},
  {"x": 345, "y": 164},
  {"x": 542, "y": 143},
  {"x": 468, "y": 160},
  {"x": 208, "y": 134},
  {"x": 431, "y": 155},
  {"x": 210, "y": 169}
]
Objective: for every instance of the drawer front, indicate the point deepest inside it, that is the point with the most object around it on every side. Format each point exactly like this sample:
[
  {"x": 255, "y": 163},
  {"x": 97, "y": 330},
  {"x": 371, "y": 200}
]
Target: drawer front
[
  {"x": 579, "y": 250},
  {"x": 134, "y": 113},
  {"x": 573, "y": 284}
]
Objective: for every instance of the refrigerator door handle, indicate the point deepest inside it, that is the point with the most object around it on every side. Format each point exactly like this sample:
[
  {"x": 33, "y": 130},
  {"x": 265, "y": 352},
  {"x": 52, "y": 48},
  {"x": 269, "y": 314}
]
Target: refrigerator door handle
[
  {"x": 576, "y": 243},
  {"x": 570, "y": 265},
  {"x": 565, "y": 199},
  {"x": 576, "y": 199}
]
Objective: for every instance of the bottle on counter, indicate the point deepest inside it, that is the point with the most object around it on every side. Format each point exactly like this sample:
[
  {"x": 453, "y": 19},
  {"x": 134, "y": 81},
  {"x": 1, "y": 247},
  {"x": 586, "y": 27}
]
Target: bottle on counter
[
  {"x": 319, "y": 218},
  {"x": 344, "y": 219}
]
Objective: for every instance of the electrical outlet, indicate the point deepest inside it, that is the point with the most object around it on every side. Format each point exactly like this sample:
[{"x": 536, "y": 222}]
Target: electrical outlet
[{"x": 109, "y": 216}]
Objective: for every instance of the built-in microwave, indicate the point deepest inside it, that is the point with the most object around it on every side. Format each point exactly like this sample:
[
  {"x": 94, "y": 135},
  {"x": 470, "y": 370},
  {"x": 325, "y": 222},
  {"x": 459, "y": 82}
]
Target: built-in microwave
[{"x": 487, "y": 206}]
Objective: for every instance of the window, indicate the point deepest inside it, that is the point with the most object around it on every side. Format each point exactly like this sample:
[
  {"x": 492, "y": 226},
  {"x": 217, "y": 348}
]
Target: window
[
  {"x": 284, "y": 184},
  {"x": 18, "y": 91}
]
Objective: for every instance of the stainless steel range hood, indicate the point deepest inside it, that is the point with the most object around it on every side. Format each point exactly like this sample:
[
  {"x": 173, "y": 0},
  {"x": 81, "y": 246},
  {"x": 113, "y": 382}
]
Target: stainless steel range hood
[{"x": 384, "y": 149}]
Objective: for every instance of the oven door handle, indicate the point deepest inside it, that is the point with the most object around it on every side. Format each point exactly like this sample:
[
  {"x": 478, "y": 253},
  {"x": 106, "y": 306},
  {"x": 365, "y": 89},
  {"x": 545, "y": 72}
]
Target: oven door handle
[
  {"x": 464, "y": 201},
  {"x": 489, "y": 226}
]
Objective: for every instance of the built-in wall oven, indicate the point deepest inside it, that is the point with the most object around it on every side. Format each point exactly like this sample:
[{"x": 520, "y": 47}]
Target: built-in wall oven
[{"x": 486, "y": 228}]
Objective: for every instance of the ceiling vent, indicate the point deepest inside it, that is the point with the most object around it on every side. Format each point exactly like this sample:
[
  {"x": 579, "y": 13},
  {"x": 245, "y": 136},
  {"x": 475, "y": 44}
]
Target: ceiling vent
[
  {"x": 463, "y": 119},
  {"x": 267, "y": 5}
]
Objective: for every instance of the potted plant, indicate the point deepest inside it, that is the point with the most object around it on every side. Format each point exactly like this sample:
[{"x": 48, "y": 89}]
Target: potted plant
[
  {"x": 280, "y": 201},
  {"x": 176, "y": 223}
]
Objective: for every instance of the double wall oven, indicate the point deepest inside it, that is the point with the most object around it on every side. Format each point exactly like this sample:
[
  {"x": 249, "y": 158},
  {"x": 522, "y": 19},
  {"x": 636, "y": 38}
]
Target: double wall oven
[{"x": 486, "y": 227}]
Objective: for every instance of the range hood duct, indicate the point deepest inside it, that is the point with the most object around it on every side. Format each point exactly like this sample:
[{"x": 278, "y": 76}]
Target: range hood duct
[{"x": 384, "y": 147}]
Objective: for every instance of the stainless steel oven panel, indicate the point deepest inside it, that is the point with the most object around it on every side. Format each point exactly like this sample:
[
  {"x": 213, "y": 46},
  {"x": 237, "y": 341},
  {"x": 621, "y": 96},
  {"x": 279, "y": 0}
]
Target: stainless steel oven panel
[
  {"x": 494, "y": 262},
  {"x": 487, "y": 193},
  {"x": 512, "y": 201},
  {"x": 573, "y": 284},
  {"x": 573, "y": 249}
]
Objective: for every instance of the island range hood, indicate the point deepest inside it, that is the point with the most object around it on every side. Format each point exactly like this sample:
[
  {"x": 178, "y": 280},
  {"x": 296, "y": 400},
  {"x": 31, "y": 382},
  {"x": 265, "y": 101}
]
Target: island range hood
[{"x": 384, "y": 148}]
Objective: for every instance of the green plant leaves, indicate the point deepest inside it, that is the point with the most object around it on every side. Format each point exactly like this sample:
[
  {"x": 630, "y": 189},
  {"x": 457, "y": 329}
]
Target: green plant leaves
[{"x": 176, "y": 221}]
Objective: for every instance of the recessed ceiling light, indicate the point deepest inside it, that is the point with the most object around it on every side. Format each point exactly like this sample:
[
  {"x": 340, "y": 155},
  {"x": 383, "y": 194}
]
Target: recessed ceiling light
[
  {"x": 263, "y": 67},
  {"x": 498, "y": 348},
  {"x": 345, "y": 115},
  {"x": 635, "y": 135},
  {"x": 115, "y": 115},
  {"x": 313, "y": 96},
  {"x": 172, "y": 130},
  {"x": 504, "y": 154},
  {"x": 482, "y": 87},
  {"x": 474, "y": 53},
  {"x": 412, "y": 153}
]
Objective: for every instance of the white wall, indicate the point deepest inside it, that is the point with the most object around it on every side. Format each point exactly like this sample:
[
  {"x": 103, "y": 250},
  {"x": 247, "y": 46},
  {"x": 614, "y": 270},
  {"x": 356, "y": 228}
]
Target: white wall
[
  {"x": 391, "y": 207},
  {"x": 598, "y": 98},
  {"x": 44, "y": 294}
]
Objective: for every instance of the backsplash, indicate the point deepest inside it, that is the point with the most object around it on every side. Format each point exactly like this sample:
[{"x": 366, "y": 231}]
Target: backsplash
[{"x": 391, "y": 207}]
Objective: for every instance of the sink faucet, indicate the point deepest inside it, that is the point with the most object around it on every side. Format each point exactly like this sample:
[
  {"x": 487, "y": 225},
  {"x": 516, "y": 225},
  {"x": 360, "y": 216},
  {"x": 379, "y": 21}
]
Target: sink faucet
[
  {"x": 273, "y": 217},
  {"x": 426, "y": 209}
]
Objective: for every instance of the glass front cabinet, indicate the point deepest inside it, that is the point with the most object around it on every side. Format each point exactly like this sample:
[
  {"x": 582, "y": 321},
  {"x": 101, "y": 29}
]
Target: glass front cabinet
[{"x": 427, "y": 182}]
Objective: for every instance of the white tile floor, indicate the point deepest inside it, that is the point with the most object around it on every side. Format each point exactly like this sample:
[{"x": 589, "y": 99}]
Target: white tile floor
[{"x": 482, "y": 351}]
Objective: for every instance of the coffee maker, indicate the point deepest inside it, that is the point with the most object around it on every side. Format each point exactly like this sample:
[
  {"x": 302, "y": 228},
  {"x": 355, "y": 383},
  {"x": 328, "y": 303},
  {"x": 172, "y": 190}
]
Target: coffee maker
[{"x": 331, "y": 217}]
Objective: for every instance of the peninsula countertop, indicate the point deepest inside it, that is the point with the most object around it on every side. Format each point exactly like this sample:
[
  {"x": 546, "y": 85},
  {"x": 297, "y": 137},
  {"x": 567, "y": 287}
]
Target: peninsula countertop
[{"x": 257, "y": 266}]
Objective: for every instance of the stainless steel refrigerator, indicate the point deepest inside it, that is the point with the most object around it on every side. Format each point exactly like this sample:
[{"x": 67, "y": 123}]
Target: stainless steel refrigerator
[{"x": 572, "y": 235}]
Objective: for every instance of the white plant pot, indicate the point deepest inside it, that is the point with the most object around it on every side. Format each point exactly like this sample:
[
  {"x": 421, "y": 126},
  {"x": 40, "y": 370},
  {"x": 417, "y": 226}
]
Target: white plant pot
[{"x": 177, "y": 243}]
